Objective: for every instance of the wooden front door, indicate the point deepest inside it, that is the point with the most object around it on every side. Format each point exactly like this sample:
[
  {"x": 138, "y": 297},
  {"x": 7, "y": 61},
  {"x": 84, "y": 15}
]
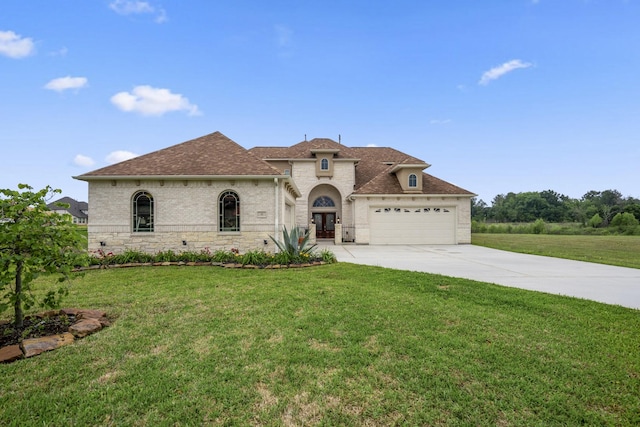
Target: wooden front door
[{"x": 325, "y": 225}]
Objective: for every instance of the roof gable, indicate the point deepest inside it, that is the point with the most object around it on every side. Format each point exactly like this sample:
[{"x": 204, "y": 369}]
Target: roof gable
[
  {"x": 375, "y": 173},
  {"x": 209, "y": 155},
  {"x": 387, "y": 183}
]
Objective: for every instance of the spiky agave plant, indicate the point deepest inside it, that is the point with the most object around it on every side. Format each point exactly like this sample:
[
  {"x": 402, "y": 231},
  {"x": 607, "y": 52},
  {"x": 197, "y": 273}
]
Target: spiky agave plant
[{"x": 295, "y": 243}]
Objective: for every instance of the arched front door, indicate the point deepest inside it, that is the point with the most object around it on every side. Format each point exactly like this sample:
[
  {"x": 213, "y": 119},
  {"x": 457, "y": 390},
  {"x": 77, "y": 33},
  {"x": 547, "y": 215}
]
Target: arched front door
[
  {"x": 324, "y": 217},
  {"x": 325, "y": 224}
]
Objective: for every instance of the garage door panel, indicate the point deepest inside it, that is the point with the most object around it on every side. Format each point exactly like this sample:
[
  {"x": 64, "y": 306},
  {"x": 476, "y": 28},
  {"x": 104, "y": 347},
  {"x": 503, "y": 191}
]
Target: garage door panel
[{"x": 426, "y": 225}]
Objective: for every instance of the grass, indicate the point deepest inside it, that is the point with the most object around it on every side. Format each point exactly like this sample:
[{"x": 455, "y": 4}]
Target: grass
[
  {"x": 622, "y": 251},
  {"x": 333, "y": 345}
]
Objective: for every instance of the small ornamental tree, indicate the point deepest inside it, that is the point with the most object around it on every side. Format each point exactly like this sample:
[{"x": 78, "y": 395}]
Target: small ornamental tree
[
  {"x": 34, "y": 240},
  {"x": 595, "y": 221}
]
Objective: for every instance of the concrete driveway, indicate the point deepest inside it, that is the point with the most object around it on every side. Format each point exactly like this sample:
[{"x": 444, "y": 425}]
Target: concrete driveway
[{"x": 597, "y": 282}]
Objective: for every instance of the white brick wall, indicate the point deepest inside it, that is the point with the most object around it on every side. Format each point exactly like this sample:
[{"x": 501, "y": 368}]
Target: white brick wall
[
  {"x": 183, "y": 212},
  {"x": 188, "y": 210},
  {"x": 343, "y": 180}
]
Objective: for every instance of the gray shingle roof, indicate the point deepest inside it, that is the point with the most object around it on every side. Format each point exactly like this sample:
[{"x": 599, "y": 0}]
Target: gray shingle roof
[{"x": 75, "y": 207}]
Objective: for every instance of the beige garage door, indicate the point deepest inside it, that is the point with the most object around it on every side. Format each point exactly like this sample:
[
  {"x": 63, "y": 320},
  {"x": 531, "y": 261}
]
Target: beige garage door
[{"x": 413, "y": 226}]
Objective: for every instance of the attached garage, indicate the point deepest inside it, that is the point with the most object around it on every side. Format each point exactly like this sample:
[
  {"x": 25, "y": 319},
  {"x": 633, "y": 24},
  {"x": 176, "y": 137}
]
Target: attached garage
[{"x": 425, "y": 225}]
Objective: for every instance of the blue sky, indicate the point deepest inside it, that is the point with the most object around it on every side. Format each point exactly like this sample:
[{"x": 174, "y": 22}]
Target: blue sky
[{"x": 498, "y": 96}]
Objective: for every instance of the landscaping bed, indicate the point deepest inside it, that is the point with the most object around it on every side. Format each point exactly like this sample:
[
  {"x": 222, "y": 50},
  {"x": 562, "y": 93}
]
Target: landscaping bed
[{"x": 48, "y": 331}]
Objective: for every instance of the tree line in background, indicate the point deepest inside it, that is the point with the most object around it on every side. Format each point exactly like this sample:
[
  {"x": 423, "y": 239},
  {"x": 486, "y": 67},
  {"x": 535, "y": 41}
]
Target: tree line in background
[{"x": 596, "y": 210}]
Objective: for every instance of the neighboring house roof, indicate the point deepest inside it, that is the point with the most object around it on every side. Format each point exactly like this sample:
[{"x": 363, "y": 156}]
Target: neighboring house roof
[
  {"x": 75, "y": 208},
  {"x": 209, "y": 155}
]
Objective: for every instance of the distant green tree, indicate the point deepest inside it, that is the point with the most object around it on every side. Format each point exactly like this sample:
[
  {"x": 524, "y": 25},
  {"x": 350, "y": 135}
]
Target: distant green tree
[
  {"x": 576, "y": 211},
  {"x": 624, "y": 220},
  {"x": 557, "y": 206},
  {"x": 479, "y": 209},
  {"x": 607, "y": 203},
  {"x": 552, "y": 206},
  {"x": 595, "y": 221},
  {"x": 33, "y": 241},
  {"x": 634, "y": 209}
]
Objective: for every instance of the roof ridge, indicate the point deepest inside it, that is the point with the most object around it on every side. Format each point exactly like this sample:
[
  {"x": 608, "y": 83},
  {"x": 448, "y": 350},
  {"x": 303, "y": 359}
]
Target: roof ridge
[{"x": 208, "y": 155}]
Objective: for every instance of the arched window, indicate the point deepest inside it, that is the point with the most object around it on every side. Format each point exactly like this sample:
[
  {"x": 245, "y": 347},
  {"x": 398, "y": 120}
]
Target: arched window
[
  {"x": 142, "y": 209},
  {"x": 413, "y": 180},
  {"x": 229, "y": 210},
  {"x": 323, "y": 202},
  {"x": 324, "y": 164}
]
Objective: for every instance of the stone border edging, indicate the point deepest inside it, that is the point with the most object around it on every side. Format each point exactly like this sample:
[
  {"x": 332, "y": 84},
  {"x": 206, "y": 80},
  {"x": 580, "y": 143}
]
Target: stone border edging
[
  {"x": 86, "y": 323},
  {"x": 197, "y": 264}
]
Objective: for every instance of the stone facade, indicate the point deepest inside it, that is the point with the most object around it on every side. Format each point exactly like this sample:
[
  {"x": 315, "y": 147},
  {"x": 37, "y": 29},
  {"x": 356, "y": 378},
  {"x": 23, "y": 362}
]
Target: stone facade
[
  {"x": 187, "y": 215},
  {"x": 337, "y": 187}
]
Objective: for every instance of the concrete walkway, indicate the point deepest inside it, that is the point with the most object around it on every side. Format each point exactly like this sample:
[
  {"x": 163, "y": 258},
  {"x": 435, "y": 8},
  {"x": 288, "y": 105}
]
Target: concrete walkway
[{"x": 597, "y": 282}]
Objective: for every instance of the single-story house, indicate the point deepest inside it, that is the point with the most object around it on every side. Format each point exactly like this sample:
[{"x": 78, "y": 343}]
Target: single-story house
[
  {"x": 79, "y": 211},
  {"x": 210, "y": 192}
]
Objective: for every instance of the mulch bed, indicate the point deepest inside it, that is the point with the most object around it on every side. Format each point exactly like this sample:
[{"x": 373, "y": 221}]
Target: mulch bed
[{"x": 35, "y": 327}]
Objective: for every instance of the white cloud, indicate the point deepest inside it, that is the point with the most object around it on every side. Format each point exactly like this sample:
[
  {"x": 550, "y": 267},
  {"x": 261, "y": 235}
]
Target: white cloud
[
  {"x": 150, "y": 101},
  {"x": 134, "y": 7},
  {"x": 161, "y": 16},
  {"x": 14, "y": 45},
  {"x": 119, "y": 156},
  {"x": 64, "y": 83},
  {"x": 372, "y": 145},
  {"x": 82, "y": 160},
  {"x": 501, "y": 70}
]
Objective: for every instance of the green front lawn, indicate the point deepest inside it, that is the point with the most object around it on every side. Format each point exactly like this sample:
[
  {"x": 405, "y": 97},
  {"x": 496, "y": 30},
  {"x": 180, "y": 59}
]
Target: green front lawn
[
  {"x": 622, "y": 251},
  {"x": 333, "y": 345}
]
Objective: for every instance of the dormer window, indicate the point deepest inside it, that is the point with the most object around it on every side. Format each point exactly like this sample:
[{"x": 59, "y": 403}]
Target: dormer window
[
  {"x": 413, "y": 180},
  {"x": 324, "y": 161}
]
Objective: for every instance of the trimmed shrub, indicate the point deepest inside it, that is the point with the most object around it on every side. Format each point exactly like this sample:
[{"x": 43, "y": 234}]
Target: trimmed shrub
[
  {"x": 595, "y": 221},
  {"x": 624, "y": 220},
  {"x": 538, "y": 227}
]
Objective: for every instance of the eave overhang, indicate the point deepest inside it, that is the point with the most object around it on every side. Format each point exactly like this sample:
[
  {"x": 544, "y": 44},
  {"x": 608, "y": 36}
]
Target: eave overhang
[
  {"x": 175, "y": 177},
  {"x": 399, "y": 166},
  {"x": 411, "y": 195}
]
